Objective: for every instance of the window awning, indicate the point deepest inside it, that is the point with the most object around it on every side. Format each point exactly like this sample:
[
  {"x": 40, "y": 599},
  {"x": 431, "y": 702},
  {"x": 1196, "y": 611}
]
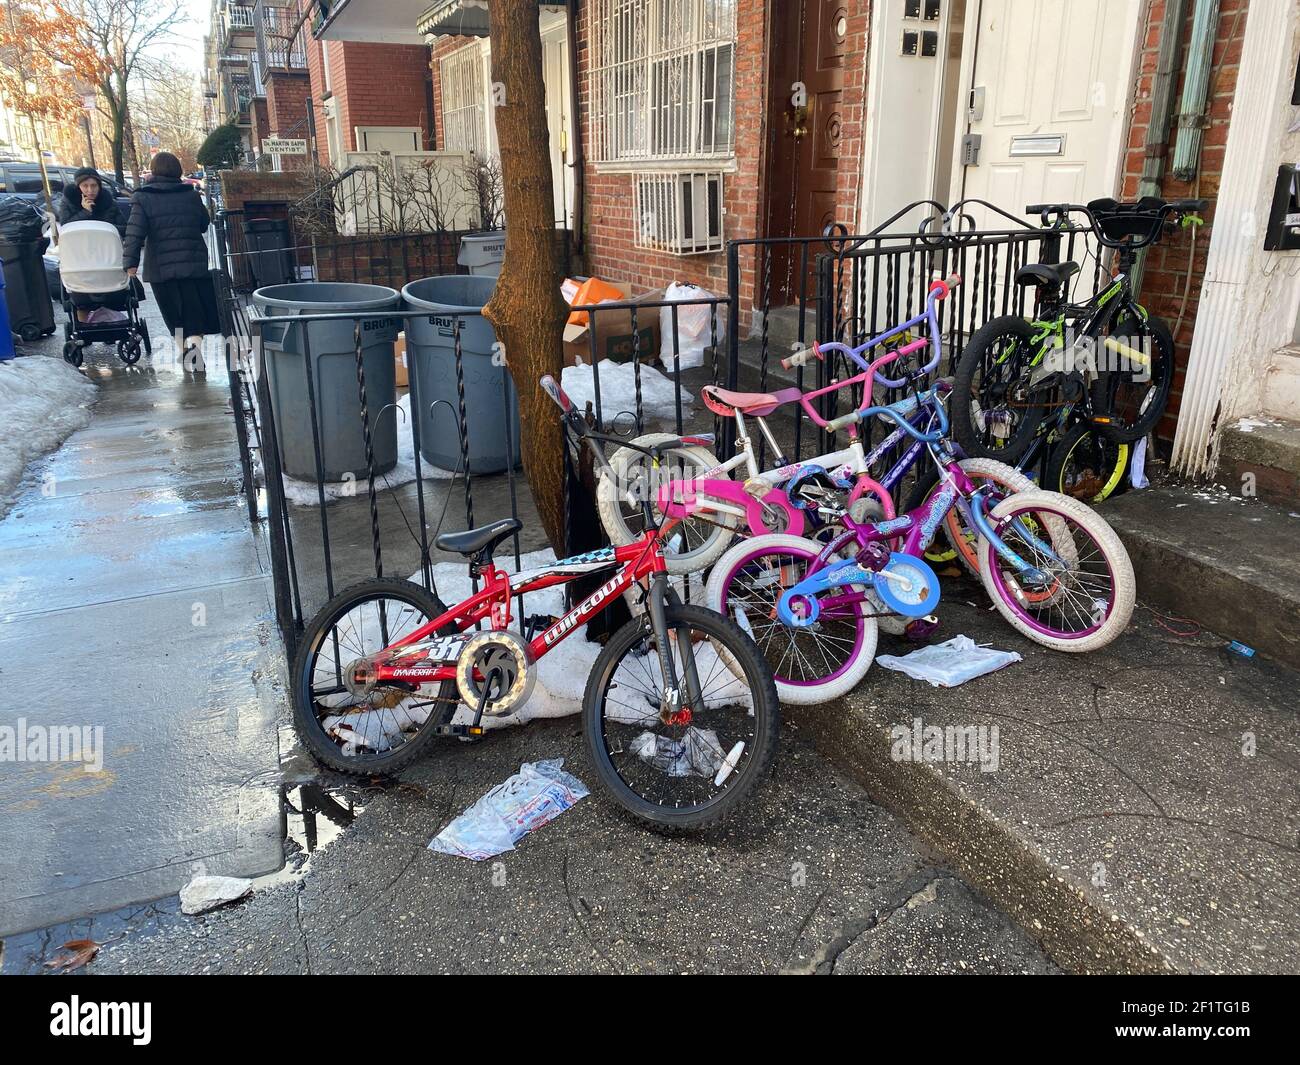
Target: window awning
[{"x": 462, "y": 18}]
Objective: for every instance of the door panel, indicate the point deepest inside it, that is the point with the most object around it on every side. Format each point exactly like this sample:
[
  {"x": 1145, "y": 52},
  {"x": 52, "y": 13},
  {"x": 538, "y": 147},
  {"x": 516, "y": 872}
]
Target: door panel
[
  {"x": 1049, "y": 68},
  {"x": 803, "y": 145}
]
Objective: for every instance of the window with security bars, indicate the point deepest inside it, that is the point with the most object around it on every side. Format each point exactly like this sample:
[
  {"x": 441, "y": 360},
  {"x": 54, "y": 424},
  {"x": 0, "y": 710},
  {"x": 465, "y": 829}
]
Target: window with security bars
[
  {"x": 663, "y": 80},
  {"x": 464, "y": 118},
  {"x": 679, "y": 212}
]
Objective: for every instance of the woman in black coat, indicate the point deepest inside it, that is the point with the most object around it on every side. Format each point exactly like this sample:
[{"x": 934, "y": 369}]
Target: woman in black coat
[
  {"x": 86, "y": 200},
  {"x": 167, "y": 223}
]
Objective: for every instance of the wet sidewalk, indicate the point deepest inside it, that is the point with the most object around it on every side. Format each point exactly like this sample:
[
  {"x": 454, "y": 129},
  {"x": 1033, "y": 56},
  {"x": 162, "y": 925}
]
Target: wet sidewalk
[{"x": 134, "y": 599}]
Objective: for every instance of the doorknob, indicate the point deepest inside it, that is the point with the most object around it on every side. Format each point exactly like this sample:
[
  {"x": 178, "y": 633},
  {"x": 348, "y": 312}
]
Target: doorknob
[{"x": 796, "y": 121}]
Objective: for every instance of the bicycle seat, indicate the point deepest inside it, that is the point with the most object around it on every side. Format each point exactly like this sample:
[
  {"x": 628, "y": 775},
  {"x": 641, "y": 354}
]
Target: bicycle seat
[
  {"x": 480, "y": 541},
  {"x": 760, "y": 404},
  {"x": 1053, "y": 275}
]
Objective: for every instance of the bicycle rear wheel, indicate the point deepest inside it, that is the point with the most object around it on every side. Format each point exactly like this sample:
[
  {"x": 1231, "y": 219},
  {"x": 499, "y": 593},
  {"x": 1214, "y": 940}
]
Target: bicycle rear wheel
[
  {"x": 693, "y": 544},
  {"x": 994, "y": 414},
  {"x": 385, "y": 728},
  {"x": 691, "y": 769},
  {"x": 809, "y": 665}
]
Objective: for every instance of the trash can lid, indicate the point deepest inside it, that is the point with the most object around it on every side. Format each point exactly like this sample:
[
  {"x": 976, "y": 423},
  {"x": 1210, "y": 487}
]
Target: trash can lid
[
  {"x": 326, "y": 296},
  {"x": 450, "y": 292}
]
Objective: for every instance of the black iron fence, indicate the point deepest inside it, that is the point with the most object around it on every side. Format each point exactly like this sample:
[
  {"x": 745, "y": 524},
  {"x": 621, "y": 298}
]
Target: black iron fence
[{"x": 324, "y": 532}]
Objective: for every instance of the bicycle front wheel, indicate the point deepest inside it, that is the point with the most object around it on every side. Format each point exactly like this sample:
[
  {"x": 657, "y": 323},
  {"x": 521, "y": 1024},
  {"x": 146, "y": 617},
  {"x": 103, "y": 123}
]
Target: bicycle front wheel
[
  {"x": 688, "y": 769},
  {"x": 1083, "y": 598},
  {"x": 1087, "y": 465},
  {"x": 1131, "y": 393},
  {"x": 693, "y": 544}
]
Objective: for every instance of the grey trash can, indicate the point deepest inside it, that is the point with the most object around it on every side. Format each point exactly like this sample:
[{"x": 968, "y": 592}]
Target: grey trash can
[
  {"x": 269, "y": 256},
  {"x": 334, "y": 378},
  {"x": 483, "y": 253},
  {"x": 431, "y": 358}
]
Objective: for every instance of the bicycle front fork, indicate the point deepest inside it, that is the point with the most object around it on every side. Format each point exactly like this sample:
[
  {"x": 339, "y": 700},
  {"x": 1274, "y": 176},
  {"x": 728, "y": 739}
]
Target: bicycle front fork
[{"x": 673, "y": 700}]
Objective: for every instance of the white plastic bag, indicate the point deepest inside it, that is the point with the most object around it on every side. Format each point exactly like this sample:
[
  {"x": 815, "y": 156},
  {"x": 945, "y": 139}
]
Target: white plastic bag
[
  {"x": 694, "y": 327},
  {"x": 538, "y": 793},
  {"x": 948, "y": 664}
]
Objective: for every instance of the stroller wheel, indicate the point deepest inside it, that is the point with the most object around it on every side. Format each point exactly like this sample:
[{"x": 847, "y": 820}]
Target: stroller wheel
[
  {"x": 129, "y": 350},
  {"x": 72, "y": 352}
]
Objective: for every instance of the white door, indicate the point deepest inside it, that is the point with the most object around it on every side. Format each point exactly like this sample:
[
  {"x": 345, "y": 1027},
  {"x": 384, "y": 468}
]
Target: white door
[
  {"x": 1048, "y": 85},
  {"x": 555, "y": 75}
]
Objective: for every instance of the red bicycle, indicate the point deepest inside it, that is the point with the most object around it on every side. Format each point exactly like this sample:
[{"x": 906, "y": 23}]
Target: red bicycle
[{"x": 680, "y": 710}]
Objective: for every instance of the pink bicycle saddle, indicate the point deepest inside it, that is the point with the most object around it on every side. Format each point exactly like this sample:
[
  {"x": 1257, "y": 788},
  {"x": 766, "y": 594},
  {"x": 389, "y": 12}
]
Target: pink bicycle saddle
[{"x": 760, "y": 404}]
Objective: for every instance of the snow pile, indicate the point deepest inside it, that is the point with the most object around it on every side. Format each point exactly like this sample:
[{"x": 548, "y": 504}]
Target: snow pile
[
  {"x": 42, "y": 401},
  {"x": 618, "y": 390},
  {"x": 304, "y": 493}
]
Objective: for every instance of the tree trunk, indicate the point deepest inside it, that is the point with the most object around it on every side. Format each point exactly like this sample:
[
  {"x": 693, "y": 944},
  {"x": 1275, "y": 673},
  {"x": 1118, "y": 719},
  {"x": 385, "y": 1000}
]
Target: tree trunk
[{"x": 526, "y": 308}]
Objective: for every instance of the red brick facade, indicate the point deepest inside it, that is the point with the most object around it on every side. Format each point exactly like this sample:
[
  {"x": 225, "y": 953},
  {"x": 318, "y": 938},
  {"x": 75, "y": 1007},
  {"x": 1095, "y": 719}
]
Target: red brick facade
[
  {"x": 373, "y": 85},
  {"x": 1174, "y": 268}
]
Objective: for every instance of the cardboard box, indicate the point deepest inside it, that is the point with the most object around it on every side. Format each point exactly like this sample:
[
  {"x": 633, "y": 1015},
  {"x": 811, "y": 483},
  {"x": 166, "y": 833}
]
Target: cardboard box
[
  {"x": 399, "y": 357},
  {"x": 614, "y": 339}
]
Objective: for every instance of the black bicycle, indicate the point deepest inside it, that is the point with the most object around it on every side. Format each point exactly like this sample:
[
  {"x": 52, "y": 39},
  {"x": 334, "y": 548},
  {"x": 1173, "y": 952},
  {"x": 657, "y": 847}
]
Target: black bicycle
[{"x": 1099, "y": 372}]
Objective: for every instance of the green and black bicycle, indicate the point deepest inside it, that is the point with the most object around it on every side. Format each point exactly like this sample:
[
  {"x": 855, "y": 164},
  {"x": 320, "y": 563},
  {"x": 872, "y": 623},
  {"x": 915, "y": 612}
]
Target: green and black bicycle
[{"x": 1083, "y": 380}]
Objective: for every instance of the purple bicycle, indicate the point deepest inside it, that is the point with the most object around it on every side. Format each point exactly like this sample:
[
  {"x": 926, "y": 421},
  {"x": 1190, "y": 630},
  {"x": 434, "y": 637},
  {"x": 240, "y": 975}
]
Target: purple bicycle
[{"x": 1053, "y": 568}]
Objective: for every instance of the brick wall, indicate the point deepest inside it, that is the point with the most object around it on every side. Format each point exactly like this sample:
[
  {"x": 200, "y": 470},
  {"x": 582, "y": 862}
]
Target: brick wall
[
  {"x": 373, "y": 85},
  {"x": 286, "y": 103},
  {"x": 380, "y": 85},
  {"x": 261, "y": 121},
  {"x": 1176, "y": 266},
  {"x": 610, "y": 202}
]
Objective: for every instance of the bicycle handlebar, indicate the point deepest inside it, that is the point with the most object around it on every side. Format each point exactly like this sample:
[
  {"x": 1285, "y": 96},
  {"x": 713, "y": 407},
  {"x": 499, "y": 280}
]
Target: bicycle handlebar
[
  {"x": 801, "y": 358},
  {"x": 1165, "y": 210},
  {"x": 846, "y": 420}
]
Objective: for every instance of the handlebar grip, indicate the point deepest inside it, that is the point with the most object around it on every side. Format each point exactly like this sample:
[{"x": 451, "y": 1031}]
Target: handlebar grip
[
  {"x": 942, "y": 289},
  {"x": 843, "y": 421},
  {"x": 800, "y": 358},
  {"x": 552, "y": 388}
]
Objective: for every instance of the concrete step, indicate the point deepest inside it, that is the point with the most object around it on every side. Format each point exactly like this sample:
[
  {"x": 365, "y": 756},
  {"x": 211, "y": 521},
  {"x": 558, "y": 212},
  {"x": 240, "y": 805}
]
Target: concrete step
[
  {"x": 1260, "y": 456},
  {"x": 1225, "y": 561},
  {"x": 1120, "y": 819}
]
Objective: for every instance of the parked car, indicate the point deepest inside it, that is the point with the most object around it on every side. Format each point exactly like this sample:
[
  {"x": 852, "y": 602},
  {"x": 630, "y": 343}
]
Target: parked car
[{"x": 24, "y": 179}]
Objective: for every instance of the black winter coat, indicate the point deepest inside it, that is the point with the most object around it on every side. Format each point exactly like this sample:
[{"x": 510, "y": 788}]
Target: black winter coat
[
  {"x": 168, "y": 219},
  {"x": 68, "y": 207}
]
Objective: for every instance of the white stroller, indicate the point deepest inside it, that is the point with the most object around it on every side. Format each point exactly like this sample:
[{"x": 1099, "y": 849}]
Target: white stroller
[{"x": 92, "y": 281}]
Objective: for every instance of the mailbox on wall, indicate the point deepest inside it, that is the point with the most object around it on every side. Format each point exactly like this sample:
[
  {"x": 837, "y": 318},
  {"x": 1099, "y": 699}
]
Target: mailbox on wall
[{"x": 1283, "y": 233}]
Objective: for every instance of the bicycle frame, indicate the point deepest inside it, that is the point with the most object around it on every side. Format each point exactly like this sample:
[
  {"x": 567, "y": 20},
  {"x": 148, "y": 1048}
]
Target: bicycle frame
[{"x": 726, "y": 497}]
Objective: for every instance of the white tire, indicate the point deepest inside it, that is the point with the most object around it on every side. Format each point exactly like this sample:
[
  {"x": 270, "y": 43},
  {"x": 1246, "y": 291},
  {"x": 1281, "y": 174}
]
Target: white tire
[
  {"x": 716, "y": 597},
  {"x": 694, "y": 544},
  {"x": 1124, "y": 591}
]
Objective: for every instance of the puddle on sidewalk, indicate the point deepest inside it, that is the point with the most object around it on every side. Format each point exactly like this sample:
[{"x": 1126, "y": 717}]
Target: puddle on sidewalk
[{"x": 316, "y": 810}]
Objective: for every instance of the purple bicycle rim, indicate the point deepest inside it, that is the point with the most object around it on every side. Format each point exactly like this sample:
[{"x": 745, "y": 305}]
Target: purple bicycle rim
[
  {"x": 859, "y": 626},
  {"x": 1026, "y": 617}
]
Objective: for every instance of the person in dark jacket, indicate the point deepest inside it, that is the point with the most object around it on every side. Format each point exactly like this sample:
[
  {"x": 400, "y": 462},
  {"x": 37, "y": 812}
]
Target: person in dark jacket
[
  {"x": 168, "y": 219},
  {"x": 86, "y": 200}
]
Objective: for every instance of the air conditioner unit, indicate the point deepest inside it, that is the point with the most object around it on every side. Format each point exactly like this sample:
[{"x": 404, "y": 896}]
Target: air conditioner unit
[{"x": 679, "y": 211}]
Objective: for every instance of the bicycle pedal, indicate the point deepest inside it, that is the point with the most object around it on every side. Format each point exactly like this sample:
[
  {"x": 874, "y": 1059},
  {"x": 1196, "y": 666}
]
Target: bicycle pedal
[
  {"x": 535, "y": 623},
  {"x": 471, "y": 732},
  {"x": 921, "y": 628},
  {"x": 757, "y": 487}
]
